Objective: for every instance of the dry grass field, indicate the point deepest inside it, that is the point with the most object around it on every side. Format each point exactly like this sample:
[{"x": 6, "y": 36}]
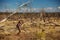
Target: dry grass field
[{"x": 34, "y": 26}]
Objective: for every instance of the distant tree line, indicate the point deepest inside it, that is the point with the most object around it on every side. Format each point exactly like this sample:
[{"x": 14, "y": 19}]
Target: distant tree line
[{"x": 29, "y": 15}]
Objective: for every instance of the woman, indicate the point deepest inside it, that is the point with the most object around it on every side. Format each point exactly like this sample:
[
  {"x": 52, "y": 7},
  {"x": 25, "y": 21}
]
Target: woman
[{"x": 19, "y": 26}]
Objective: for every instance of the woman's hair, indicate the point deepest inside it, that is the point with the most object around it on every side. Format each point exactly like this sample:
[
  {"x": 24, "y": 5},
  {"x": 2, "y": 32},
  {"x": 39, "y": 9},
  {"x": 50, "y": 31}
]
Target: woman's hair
[{"x": 20, "y": 21}]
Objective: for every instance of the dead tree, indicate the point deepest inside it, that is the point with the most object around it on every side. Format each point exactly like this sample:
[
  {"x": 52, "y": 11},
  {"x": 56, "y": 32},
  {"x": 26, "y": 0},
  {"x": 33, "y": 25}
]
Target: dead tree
[{"x": 42, "y": 15}]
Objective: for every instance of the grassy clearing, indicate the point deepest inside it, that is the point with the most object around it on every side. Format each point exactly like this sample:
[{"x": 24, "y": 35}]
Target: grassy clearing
[{"x": 32, "y": 29}]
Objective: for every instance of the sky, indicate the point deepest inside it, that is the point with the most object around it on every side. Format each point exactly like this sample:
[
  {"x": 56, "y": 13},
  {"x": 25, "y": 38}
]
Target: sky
[{"x": 13, "y": 4}]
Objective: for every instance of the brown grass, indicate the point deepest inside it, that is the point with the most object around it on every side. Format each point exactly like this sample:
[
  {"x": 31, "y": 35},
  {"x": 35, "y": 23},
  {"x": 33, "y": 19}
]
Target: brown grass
[{"x": 31, "y": 29}]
